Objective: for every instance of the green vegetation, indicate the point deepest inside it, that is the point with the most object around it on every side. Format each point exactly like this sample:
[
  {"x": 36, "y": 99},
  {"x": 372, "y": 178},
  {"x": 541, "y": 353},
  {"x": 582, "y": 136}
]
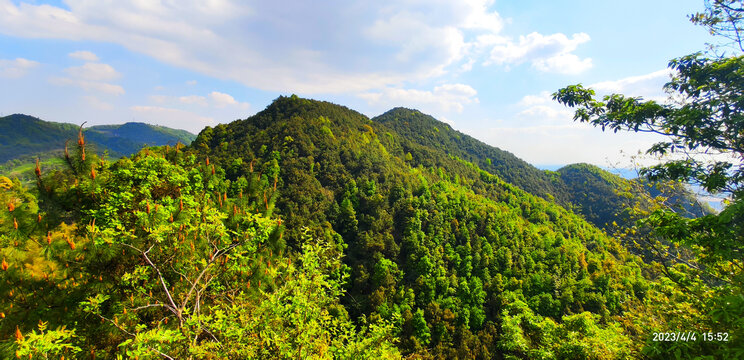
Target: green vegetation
[
  {"x": 23, "y": 136},
  {"x": 26, "y": 135},
  {"x": 606, "y": 199},
  {"x": 311, "y": 231},
  {"x": 149, "y": 258},
  {"x": 704, "y": 117},
  {"x": 601, "y": 197},
  {"x": 433, "y": 243},
  {"x": 129, "y": 138},
  {"x": 423, "y": 130}
]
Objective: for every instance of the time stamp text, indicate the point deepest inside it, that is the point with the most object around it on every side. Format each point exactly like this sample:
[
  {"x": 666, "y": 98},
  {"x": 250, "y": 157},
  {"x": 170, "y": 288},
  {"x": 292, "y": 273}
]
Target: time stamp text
[{"x": 690, "y": 336}]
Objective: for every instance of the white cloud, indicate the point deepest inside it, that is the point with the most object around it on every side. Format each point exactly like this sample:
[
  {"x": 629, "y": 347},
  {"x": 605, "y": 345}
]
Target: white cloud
[
  {"x": 566, "y": 143},
  {"x": 443, "y": 98},
  {"x": 193, "y": 99},
  {"x": 563, "y": 63},
  {"x": 308, "y": 47},
  {"x": 215, "y": 99},
  {"x": 649, "y": 86},
  {"x": 543, "y": 113},
  {"x": 175, "y": 118},
  {"x": 551, "y": 53},
  {"x": 91, "y": 77},
  {"x": 530, "y": 100},
  {"x": 97, "y": 103},
  {"x": 540, "y": 110},
  {"x": 93, "y": 72},
  {"x": 93, "y": 86},
  {"x": 446, "y": 44},
  {"x": 555, "y": 138},
  {"x": 83, "y": 55},
  {"x": 16, "y": 68},
  {"x": 221, "y": 100}
]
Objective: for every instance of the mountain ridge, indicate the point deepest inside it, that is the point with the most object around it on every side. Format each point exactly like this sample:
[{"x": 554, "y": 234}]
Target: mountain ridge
[
  {"x": 26, "y": 136},
  {"x": 429, "y": 238}
]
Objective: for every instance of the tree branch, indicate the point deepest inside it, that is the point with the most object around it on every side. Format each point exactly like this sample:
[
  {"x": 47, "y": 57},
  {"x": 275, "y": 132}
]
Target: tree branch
[
  {"x": 173, "y": 307},
  {"x": 204, "y": 271}
]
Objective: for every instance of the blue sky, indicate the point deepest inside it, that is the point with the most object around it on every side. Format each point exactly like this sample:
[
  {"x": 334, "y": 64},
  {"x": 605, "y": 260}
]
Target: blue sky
[{"x": 485, "y": 67}]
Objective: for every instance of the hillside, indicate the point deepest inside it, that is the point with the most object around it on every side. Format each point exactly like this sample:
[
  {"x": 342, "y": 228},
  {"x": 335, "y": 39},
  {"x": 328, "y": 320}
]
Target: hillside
[
  {"x": 309, "y": 229},
  {"x": 418, "y": 128},
  {"x": 130, "y": 137},
  {"x": 23, "y": 135},
  {"x": 603, "y": 198},
  {"x": 23, "y": 138},
  {"x": 455, "y": 255},
  {"x": 599, "y": 196}
]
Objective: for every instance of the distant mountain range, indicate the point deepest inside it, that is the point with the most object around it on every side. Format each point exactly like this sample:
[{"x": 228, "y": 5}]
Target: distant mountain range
[
  {"x": 24, "y": 138},
  {"x": 24, "y": 135},
  {"x": 586, "y": 189}
]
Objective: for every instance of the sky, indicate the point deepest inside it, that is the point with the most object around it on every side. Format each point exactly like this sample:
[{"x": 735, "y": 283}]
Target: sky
[{"x": 486, "y": 67}]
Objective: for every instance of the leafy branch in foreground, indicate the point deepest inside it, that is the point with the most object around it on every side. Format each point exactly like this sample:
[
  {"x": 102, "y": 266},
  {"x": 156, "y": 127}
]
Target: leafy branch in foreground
[
  {"x": 703, "y": 122},
  {"x": 159, "y": 256}
]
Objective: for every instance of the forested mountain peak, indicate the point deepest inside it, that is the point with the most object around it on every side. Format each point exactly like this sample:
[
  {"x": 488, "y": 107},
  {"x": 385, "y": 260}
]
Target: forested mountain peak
[
  {"x": 425, "y": 130},
  {"x": 296, "y": 107},
  {"x": 410, "y": 117},
  {"x": 603, "y": 197},
  {"x": 431, "y": 240},
  {"x": 23, "y": 134},
  {"x": 417, "y": 139}
]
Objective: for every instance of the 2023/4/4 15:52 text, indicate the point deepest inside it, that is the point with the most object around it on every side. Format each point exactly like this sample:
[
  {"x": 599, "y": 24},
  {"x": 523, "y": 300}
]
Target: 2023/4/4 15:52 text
[{"x": 690, "y": 336}]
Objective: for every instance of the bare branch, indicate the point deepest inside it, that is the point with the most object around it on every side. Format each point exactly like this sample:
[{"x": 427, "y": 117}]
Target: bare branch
[
  {"x": 148, "y": 306},
  {"x": 175, "y": 308},
  {"x": 204, "y": 271}
]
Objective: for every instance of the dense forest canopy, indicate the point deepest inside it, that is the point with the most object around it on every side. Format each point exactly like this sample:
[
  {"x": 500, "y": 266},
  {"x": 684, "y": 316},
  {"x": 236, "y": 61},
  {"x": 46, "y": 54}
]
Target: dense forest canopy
[{"x": 311, "y": 231}]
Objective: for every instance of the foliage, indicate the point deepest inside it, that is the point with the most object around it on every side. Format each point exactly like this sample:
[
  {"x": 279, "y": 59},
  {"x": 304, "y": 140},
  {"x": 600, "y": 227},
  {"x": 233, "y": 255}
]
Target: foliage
[
  {"x": 723, "y": 18},
  {"x": 148, "y": 257},
  {"x": 45, "y": 343},
  {"x": 435, "y": 245},
  {"x": 605, "y": 199},
  {"x": 416, "y": 128},
  {"x": 702, "y": 118},
  {"x": 707, "y": 120}
]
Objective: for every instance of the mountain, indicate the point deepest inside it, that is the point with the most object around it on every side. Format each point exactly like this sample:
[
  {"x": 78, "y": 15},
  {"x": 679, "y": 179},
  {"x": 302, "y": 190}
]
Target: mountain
[
  {"x": 466, "y": 264},
  {"x": 130, "y": 137},
  {"x": 23, "y": 138},
  {"x": 23, "y": 135},
  {"x": 418, "y": 128},
  {"x": 602, "y": 197},
  {"x": 26, "y": 135}
]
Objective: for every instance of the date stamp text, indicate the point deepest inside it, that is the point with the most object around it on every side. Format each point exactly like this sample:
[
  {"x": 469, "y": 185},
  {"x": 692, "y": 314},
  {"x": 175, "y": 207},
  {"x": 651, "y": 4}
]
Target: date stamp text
[{"x": 675, "y": 336}]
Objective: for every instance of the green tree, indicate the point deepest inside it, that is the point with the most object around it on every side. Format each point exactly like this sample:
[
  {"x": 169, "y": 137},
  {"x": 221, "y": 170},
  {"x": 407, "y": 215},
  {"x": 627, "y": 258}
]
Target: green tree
[
  {"x": 724, "y": 18},
  {"x": 703, "y": 120},
  {"x": 149, "y": 258}
]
